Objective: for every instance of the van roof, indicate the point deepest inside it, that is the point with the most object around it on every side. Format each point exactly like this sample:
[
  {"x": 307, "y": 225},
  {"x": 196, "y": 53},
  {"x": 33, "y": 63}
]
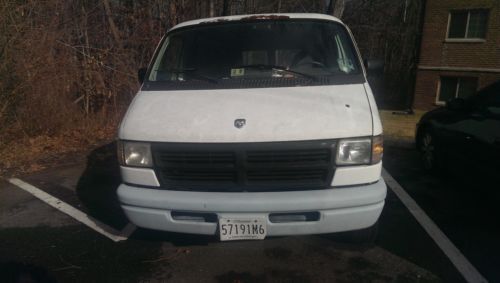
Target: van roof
[{"x": 258, "y": 17}]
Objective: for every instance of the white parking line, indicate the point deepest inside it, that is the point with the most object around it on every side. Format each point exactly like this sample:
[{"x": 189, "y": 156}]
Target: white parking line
[
  {"x": 468, "y": 271},
  {"x": 89, "y": 221}
]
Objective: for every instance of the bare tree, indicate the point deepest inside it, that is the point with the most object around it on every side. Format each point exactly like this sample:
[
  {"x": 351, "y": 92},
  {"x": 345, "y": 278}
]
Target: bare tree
[
  {"x": 212, "y": 8},
  {"x": 339, "y": 8},
  {"x": 112, "y": 25},
  {"x": 85, "y": 60}
]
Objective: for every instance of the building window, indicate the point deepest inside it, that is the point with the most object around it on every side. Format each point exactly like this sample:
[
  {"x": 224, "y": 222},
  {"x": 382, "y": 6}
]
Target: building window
[
  {"x": 470, "y": 24},
  {"x": 453, "y": 87}
]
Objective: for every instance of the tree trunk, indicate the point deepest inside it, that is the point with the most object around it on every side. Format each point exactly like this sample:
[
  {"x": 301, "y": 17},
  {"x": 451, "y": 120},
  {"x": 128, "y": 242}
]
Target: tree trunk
[
  {"x": 225, "y": 11},
  {"x": 112, "y": 25},
  {"x": 331, "y": 7},
  {"x": 212, "y": 8},
  {"x": 339, "y": 8}
]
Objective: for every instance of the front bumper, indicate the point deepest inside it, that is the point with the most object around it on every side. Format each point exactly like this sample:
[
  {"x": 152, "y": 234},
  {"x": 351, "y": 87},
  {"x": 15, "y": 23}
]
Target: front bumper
[{"x": 340, "y": 209}]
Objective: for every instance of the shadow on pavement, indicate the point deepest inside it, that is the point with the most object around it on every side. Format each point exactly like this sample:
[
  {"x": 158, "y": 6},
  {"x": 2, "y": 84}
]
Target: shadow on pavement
[
  {"x": 462, "y": 200},
  {"x": 14, "y": 272},
  {"x": 97, "y": 186},
  {"x": 400, "y": 234},
  {"x": 176, "y": 239},
  {"x": 96, "y": 190}
]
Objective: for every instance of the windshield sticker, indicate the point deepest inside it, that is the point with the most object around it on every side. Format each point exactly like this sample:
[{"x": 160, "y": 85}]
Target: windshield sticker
[{"x": 237, "y": 72}]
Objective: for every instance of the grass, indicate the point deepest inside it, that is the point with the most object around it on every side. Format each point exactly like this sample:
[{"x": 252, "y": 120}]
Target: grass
[
  {"x": 32, "y": 154},
  {"x": 400, "y": 126}
]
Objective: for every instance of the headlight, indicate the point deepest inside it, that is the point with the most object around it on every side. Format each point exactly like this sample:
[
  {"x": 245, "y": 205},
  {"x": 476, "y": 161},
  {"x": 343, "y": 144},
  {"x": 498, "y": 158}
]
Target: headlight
[
  {"x": 135, "y": 154},
  {"x": 360, "y": 151},
  {"x": 354, "y": 151}
]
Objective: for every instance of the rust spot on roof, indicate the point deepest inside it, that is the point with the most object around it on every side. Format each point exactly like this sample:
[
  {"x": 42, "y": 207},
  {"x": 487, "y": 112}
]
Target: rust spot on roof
[
  {"x": 266, "y": 17},
  {"x": 215, "y": 21},
  {"x": 249, "y": 18}
]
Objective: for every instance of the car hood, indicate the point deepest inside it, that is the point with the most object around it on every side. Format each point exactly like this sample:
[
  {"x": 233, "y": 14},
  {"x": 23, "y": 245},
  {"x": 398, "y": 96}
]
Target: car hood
[
  {"x": 271, "y": 114},
  {"x": 438, "y": 112}
]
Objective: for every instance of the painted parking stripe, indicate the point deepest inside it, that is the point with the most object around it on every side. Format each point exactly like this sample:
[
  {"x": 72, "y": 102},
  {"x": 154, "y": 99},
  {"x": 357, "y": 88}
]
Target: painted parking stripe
[
  {"x": 468, "y": 271},
  {"x": 88, "y": 220}
]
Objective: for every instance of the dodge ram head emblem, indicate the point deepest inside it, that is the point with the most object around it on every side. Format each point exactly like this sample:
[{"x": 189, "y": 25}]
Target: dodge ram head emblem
[{"x": 240, "y": 123}]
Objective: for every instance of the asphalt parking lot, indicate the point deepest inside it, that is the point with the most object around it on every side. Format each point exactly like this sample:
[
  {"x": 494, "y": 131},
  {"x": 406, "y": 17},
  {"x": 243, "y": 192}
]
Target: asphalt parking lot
[{"x": 40, "y": 241}]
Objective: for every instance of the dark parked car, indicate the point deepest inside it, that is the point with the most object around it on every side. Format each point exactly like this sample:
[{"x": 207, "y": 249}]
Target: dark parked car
[{"x": 464, "y": 133}]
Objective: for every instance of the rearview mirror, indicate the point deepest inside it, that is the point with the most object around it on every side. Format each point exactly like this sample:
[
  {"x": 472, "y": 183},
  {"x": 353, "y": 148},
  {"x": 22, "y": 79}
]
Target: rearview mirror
[
  {"x": 141, "y": 74},
  {"x": 374, "y": 66}
]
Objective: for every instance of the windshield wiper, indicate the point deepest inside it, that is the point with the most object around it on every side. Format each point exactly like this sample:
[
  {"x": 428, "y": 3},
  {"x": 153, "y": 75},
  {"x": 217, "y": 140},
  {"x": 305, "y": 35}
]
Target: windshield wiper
[
  {"x": 192, "y": 72},
  {"x": 281, "y": 69}
]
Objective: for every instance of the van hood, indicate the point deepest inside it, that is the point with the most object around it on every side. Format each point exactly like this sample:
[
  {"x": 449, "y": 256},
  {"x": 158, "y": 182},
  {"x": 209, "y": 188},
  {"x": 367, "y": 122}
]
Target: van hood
[{"x": 270, "y": 114}]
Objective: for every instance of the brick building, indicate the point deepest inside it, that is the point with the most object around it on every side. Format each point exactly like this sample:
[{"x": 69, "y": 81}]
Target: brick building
[{"x": 460, "y": 50}]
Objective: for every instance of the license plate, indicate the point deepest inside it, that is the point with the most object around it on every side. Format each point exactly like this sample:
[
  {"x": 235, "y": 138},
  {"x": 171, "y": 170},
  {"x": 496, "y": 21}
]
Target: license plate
[{"x": 231, "y": 229}]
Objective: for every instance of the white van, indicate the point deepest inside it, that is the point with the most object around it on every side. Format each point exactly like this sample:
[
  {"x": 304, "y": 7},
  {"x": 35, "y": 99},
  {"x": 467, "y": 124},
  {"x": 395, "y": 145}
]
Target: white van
[{"x": 253, "y": 126}]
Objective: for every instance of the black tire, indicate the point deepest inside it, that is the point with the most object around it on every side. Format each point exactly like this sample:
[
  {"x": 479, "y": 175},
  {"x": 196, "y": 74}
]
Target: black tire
[{"x": 430, "y": 152}]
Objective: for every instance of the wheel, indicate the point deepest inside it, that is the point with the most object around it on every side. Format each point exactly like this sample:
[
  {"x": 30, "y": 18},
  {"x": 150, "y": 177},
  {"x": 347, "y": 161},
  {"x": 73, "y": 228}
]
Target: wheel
[{"x": 429, "y": 151}]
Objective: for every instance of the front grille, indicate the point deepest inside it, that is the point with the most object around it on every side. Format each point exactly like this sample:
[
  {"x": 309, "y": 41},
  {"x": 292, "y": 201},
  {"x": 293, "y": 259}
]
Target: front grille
[
  {"x": 186, "y": 175},
  {"x": 245, "y": 167},
  {"x": 201, "y": 158},
  {"x": 287, "y": 175},
  {"x": 288, "y": 156}
]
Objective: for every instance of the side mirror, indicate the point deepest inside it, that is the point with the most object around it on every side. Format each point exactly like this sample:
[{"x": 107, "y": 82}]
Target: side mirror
[
  {"x": 141, "y": 74},
  {"x": 374, "y": 66},
  {"x": 456, "y": 104}
]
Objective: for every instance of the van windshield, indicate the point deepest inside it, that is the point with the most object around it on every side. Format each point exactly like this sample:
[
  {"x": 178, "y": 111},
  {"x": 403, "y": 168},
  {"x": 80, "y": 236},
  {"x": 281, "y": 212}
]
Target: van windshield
[{"x": 304, "y": 50}]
